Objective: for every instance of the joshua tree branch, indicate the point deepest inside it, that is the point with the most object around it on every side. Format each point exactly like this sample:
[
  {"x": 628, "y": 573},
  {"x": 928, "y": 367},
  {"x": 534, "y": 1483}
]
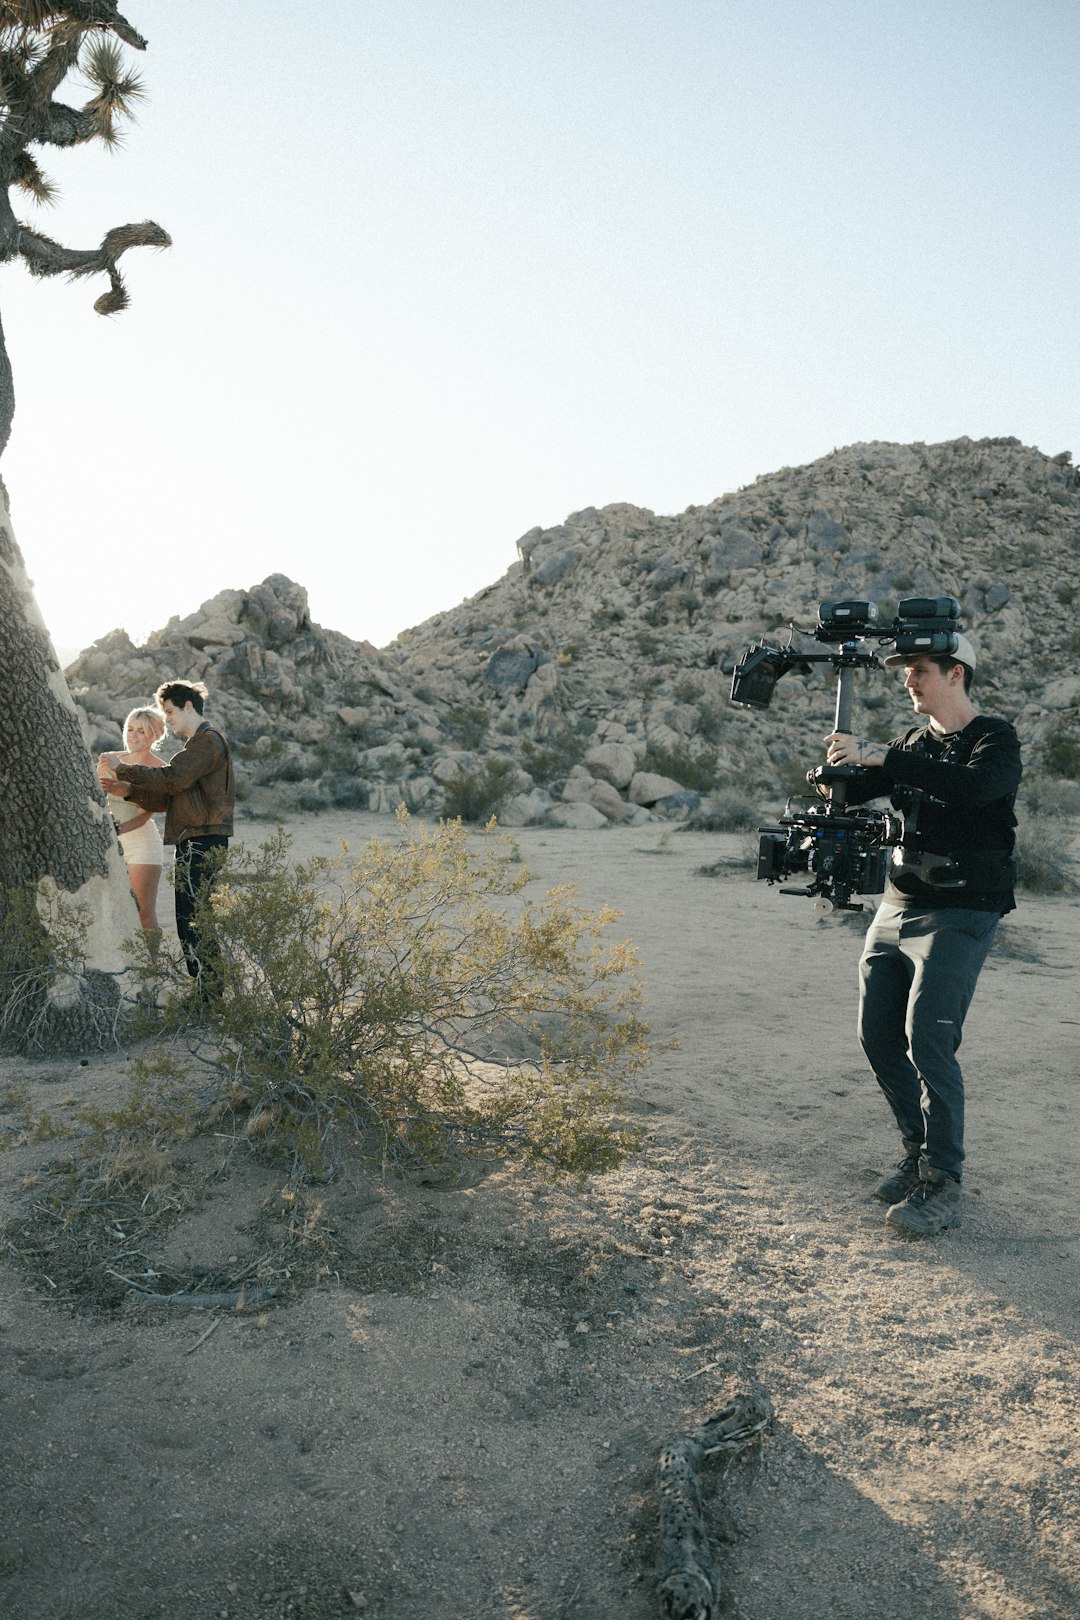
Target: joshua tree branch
[
  {"x": 45, "y": 257},
  {"x": 40, "y": 43},
  {"x": 54, "y": 67},
  {"x": 103, "y": 14},
  {"x": 60, "y": 125}
]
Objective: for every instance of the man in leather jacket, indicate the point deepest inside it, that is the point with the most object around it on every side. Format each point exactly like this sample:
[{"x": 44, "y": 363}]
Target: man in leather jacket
[
  {"x": 954, "y": 781},
  {"x": 197, "y": 792}
]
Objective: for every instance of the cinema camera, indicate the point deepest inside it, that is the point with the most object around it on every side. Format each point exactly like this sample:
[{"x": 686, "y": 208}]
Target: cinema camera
[{"x": 845, "y": 849}]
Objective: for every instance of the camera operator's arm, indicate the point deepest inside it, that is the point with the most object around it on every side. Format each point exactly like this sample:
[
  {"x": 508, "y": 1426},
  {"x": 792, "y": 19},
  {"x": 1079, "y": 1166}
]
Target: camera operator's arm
[
  {"x": 847, "y": 749},
  {"x": 992, "y": 770},
  {"x": 871, "y": 782}
]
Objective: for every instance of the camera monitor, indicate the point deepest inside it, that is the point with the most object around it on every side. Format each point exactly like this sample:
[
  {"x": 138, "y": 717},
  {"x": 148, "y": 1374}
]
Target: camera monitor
[{"x": 753, "y": 680}]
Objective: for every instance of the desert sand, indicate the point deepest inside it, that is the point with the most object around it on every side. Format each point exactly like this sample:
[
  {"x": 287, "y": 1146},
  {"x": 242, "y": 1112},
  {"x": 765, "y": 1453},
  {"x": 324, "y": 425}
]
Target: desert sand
[{"x": 466, "y": 1425}]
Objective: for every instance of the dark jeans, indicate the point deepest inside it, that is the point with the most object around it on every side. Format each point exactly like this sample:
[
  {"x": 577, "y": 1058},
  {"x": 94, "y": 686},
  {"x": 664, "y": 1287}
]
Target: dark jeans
[
  {"x": 196, "y": 868},
  {"x": 918, "y": 974}
]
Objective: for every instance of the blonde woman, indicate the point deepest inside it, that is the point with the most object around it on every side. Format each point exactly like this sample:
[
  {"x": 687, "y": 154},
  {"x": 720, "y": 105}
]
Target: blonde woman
[{"x": 140, "y": 840}]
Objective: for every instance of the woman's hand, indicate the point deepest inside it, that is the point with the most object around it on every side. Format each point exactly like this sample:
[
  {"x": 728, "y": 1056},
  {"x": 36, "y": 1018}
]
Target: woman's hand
[{"x": 110, "y": 783}]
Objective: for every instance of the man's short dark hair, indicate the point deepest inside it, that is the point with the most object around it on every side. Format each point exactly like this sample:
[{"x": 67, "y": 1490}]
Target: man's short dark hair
[
  {"x": 180, "y": 692},
  {"x": 945, "y": 662}
]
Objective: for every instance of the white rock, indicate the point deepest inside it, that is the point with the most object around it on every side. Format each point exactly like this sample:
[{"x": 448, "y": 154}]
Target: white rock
[
  {"x": 525, "y": 808},
  {"x": 1064, "y": 693},
  {"x": 606, "y": 799},
  {"x": 648, "y": 786},
  {"x": 612, "y": 762},
  {"x": 583, "y": 817}
]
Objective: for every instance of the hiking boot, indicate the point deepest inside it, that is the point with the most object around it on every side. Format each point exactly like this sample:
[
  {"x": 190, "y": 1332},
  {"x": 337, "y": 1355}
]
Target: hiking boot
[
  {"x": 896, "y": 1186},
  {"x": 933, "y": 1207}
]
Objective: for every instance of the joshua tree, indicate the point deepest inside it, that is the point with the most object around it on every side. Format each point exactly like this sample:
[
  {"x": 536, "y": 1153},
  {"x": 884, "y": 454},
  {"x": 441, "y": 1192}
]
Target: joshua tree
[{"x": 56, "y": 838}]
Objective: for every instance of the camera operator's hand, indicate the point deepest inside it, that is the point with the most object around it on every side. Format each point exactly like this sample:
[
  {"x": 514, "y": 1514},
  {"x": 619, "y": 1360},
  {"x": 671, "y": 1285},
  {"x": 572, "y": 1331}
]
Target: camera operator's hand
[{"x": 845, "y": 749}]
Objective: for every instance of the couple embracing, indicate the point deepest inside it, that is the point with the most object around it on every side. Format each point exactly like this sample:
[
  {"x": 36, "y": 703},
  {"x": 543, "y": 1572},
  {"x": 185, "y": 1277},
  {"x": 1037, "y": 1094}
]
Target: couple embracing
[{"x": 197, "y": 793}]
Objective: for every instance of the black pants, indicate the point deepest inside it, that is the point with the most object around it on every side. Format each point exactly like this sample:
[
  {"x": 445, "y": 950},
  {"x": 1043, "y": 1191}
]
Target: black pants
[
  {"x": 196, "y": 869},
  {"x": 918, "y": 974}
]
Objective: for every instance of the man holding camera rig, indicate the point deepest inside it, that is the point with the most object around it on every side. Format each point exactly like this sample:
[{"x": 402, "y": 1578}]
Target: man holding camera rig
[{"x": 954, "y": 781}]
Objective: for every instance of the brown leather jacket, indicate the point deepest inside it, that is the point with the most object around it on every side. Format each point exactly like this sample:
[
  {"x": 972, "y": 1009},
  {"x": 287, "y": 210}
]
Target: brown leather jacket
[{"x": 195, "y": 789}]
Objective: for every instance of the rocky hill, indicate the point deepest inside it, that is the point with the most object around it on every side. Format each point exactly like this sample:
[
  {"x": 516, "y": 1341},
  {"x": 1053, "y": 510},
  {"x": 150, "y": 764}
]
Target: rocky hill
[{"x": 590, "y": 684}]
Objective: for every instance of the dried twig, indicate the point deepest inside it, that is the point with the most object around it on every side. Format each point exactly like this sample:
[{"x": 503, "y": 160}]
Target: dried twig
[
  {"x": 688, "y": 1581},
  {"x": 203, "y": 1336}
]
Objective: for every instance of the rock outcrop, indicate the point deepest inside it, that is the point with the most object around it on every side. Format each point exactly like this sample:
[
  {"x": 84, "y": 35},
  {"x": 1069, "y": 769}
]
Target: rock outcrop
[{"x": 590, "y": 684}]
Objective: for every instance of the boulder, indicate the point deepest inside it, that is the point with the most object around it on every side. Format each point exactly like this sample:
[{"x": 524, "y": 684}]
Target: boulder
[
  {"x": 612, "y": 762},
  {"x": 216, "y": 633},
  {"x": 510, "y": 669},
  {"x": 540, "y": 698},
  {"x": 525, "y": 809},
  {"x": 583, "y": 817},
  {"x": 554, "y": 569},
  {"x": 646, "y": 787},
  {"x": 677, "y": 806},
  {"x": 1063, "y": 693},
  {"x": 579, "y": 786},
  {"x": 606, "y": 799}
]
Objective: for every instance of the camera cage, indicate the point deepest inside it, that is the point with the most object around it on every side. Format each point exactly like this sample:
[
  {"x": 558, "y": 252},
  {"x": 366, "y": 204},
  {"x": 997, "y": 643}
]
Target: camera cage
[{"x": 844, "y": 849}]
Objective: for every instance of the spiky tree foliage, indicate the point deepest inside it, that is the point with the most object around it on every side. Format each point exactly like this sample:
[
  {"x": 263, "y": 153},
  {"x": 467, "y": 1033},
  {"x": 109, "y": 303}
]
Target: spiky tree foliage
[
  {"x": 40, "y": 44},
  {"x": 57, "y": 844}
]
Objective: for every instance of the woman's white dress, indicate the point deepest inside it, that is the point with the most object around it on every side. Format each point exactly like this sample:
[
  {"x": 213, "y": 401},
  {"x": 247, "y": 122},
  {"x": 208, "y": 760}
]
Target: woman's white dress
[{"x": 142, "y": 846}]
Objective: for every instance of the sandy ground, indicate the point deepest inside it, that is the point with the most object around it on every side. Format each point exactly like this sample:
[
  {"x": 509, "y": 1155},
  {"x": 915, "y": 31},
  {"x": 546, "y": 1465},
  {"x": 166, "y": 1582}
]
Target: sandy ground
[{"x": 468, "y": 1426}]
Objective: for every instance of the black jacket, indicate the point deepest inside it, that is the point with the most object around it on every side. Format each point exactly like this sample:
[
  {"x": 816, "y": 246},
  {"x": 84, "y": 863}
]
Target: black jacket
[{"x": 960, "y": 791}]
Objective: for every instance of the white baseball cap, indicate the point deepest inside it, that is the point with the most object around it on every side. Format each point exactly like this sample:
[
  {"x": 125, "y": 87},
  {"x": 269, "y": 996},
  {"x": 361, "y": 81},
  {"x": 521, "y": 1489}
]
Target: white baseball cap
[{"x": 963, "y": 652}]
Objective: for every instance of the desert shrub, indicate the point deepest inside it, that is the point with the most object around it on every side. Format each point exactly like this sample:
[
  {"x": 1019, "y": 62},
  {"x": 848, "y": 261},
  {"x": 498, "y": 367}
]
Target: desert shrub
[
  {"x": 478, "y": 794},
  {"x": 551, "y": 760},
  {"x": 696, "y": 771},
  {"x": 710, "y": 721},
  {"x": 725, "y": 810},
  {"x": 49, "y": 1000},
  {"x": 1044, "y": 858},
  {"x": 1061, "y": 754},
  {"x": 346, "y": 792},
  {"x": 358, "y": 993},
  {"x": 688, "y": 602},
  {"x": 1051, "y": 796},
  {"x": 467, "y": 724},
  {"x": 311, "y": 797},
  {"x": 790, "y": 779}
]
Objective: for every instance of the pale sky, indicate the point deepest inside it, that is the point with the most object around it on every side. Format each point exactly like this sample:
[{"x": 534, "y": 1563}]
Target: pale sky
[{"x": 446, "y": 269}]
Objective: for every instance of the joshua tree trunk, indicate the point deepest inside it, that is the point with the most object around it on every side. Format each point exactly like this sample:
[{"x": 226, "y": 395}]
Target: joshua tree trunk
[
  {"x": 58, "y": 850},
  {"x": 55, "y": 829}
]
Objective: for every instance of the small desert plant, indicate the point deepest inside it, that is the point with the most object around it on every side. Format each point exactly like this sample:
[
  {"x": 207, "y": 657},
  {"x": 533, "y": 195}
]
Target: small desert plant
[
  {"x": 346, "y": 792},
  {"x": 1051, "y": 796},
  {"x": 467, "y": 724},
  {"x": 477, "y": 795},
  {"x": 1061, "y": 754},
  {"x": 1044, "y": 858},
  {"x": 710, "y": 721},
  {"x": 725, "y": 810},
  {"x": 360, "y": 992},
  {"x": 49, "y": 1000},
  {"x": 552, "y": 759},
  {"x": 697, "y": 771}
]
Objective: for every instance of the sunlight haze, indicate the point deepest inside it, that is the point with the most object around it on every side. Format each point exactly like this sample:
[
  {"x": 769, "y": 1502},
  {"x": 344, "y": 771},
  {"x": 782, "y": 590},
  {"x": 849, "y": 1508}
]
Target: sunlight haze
[{"x": 448, "y": 269}]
